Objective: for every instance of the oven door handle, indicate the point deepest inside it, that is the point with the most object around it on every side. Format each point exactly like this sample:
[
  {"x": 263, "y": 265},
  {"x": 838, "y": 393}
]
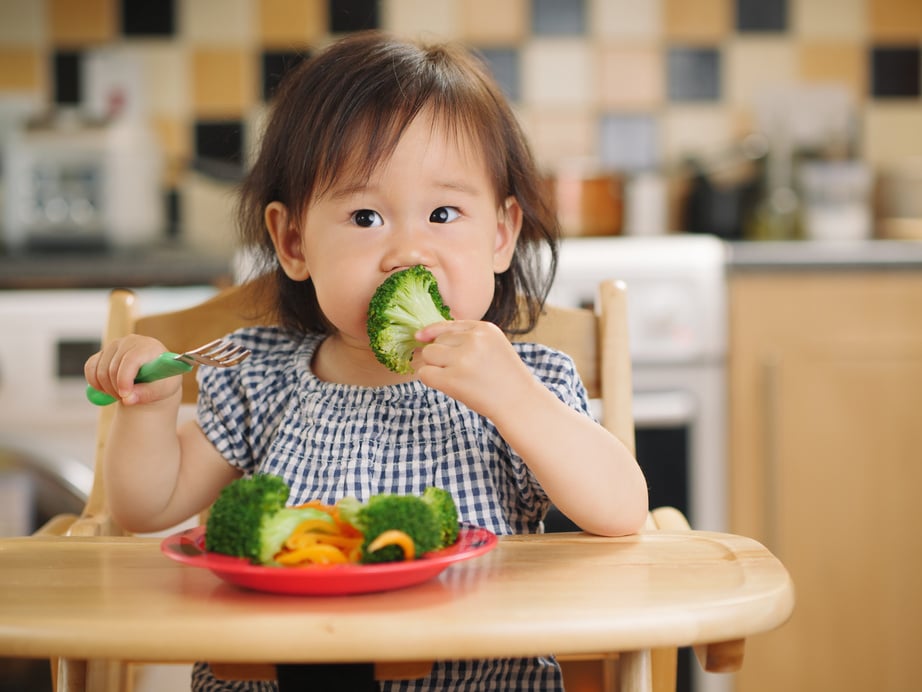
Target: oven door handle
[{"x": 664, "y": 409}]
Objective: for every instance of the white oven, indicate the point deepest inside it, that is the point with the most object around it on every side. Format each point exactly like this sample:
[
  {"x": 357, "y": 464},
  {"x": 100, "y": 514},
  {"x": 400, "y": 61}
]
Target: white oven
[
  {"x": 47, "y": 427},
  {"x": 677, "y": 329}
]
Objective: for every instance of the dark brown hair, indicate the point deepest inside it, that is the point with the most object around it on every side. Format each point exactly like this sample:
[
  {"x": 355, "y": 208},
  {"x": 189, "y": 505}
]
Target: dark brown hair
[{"x": 351, "y": 103}]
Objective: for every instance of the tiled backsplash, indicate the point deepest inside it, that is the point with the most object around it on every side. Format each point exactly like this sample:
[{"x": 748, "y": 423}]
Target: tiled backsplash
[{"x": 638, "y": 84}]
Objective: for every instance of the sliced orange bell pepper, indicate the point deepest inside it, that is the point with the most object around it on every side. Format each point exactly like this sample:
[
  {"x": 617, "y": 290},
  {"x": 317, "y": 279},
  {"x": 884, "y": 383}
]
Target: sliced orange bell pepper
[
  {"x": 317, "y": 554},
  {"x": 394, "y": 537}
]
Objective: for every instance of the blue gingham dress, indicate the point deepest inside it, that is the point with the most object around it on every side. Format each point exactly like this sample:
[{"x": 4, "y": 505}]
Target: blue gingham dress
[{"x": 272, "y": 415}]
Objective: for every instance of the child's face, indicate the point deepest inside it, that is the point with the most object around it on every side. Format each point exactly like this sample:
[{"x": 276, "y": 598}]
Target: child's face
[{"x": 431, "y": 203}]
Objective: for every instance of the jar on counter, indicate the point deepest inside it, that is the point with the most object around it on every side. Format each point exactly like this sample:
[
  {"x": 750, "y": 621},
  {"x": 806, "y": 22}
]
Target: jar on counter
[{"x": 588, "y": 198}]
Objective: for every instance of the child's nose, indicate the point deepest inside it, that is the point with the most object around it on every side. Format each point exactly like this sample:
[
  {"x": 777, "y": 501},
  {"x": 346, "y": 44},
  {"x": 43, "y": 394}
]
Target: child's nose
[{"x": 410, "y": 245}]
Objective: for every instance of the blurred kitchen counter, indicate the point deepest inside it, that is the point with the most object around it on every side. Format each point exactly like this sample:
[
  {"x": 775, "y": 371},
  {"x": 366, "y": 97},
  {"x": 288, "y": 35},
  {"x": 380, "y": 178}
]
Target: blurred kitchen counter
[
  {"x": 167, "y": 265},
  {"x": 820, "y": 255}
]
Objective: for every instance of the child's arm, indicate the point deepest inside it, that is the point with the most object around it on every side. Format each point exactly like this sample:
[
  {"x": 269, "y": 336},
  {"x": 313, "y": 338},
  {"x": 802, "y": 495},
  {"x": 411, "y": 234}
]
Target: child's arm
[
  {"x": 155, "y": 475},
  {"x": 585, "y": 470}
]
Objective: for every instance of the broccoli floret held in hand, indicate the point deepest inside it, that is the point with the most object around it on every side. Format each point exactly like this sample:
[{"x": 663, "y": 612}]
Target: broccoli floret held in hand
[
  {"x": 250, "y": 520},
  {"x": 403, "y": 304}
]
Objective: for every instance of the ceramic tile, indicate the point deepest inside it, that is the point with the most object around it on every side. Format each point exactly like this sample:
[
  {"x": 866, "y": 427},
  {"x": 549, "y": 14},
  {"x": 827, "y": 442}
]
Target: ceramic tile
[
  {"x": 223, "y": 82},
  {"x": 829, "y": 18},
  {"x": 217, "y": 22},
  {"x": 166, "y": 79},
  {"x": 21, "y": 23},
  {"x": 151, "y": 18},
  {"x": 291, "y": 23},
  {"x": 487, "y": 22},
  {"x": 752, "y": 64},
  {"x": 275, "y": 64},
  {"x": 895, "y": 19},
  {"x": 219, "y": 140},
  {"x": 67, "y": 84},
  {"x": 891, "y": 132},
  {"x": 631, "y": 77},
  {"x": 81, "y": 23},
  {"x": 693, "y": 74},
  {"x": 895, "y": 72},
  {"x": 421, "y": 19},
  {"x": 20, "y": 69},
  {"x": 841, "y": 62},
  {"x": 558, "y": 72},
  {"x": 761, "y": 15},
  {"x": 625, "y": 19},
  {"x": 206, "y": 215},
  {"x": 557, "y": 135},
  {"x": 504, "y": 65},
  {"x": 701, "y": 20},
  {"x": 352, "y": 15},
  {"x": 696, "y": 130},
  {"x": 561, "y": 89},
  {"x": 254, "y": 124},
  {"x": 558, "y": 17},
  {"x": 629, "y": 143},
  {"x": 173, "y": 134}
]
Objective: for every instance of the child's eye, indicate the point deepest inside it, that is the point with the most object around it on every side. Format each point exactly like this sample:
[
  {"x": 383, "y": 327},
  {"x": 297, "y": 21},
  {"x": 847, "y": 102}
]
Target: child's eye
[
  {"x": 367, "y": 218},
  {"x": 444, "y": 215}
]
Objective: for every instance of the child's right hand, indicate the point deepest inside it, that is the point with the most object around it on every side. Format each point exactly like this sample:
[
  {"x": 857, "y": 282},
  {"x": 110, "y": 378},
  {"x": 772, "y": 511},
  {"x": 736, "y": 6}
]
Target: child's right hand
[{"x": 114, "y": 368}]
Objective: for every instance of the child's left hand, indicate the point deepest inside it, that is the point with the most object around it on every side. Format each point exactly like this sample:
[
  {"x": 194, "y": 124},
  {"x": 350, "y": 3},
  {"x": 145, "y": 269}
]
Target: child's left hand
[{"x": 475, "y": 363}]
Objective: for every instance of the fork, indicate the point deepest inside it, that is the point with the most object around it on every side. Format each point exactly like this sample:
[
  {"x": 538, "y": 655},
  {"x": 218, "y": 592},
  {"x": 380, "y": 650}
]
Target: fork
[{"x": 219, "y": 353}]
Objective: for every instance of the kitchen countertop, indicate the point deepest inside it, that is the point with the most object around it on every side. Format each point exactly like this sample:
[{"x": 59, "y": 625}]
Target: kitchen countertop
[
  {"x": 166, "y": 265},
  {"x": 824, "y": 255},
  {"x": 173, "y": 265}
]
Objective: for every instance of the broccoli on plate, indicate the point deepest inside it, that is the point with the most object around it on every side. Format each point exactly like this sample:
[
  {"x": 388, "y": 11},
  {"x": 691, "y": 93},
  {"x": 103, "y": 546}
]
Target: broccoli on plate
[
  {"x": 404, "y": 303},
  {"x": 423, "y": 520},
  {"x": 443, "y": 506},
  {"x": 249, "y": 519}
]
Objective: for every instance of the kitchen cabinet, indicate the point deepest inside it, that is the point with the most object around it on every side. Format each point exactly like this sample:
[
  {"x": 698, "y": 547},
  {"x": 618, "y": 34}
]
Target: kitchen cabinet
[{"x": 825, "y": 444}]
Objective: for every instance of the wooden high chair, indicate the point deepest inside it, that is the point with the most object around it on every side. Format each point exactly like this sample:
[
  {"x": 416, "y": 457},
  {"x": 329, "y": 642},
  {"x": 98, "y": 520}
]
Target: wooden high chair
[{"x": 597, "y": 342}]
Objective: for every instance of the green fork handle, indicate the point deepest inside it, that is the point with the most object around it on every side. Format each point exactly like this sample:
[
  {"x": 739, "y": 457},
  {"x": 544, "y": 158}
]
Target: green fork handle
[{"x": 165, "y": 365}]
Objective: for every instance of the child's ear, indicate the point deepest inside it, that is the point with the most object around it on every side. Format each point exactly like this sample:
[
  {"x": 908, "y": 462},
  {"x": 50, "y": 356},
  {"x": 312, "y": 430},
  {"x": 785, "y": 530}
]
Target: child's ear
[
  {"x": 508, "y": 225},
  {"x": 286, "y": 236}
]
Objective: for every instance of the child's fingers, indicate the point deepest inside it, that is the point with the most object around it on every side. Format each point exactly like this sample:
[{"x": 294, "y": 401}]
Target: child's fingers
[
  {"x": 434, "y": 331},
  {"x": 115, "y": 367}
]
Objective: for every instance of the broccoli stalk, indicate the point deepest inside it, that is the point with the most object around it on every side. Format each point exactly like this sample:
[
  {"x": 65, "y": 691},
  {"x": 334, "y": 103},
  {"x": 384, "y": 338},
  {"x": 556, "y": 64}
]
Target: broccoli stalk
[
  {"x": 423, "y": 520},
  {"x": 249, "y": 519},
  {"x": 403, "y": 304}
]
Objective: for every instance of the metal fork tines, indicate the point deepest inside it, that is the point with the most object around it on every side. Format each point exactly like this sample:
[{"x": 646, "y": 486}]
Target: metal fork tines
[{"x": 220, "y": 353}]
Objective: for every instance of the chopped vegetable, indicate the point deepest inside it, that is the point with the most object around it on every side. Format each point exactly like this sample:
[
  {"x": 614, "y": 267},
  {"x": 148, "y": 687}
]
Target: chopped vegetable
[
  {"x": 403, "y": 304},
  {"x": 394, "y": 537},
  {"x": 407, "y": 513},
  {"x": 446, "y": 513},
  {"x": 249, "y": 519}
]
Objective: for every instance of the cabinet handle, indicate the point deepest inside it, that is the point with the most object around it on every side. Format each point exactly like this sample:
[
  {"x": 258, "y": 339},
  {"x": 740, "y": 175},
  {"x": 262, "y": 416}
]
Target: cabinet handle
[{"x": 771, "y": 366}]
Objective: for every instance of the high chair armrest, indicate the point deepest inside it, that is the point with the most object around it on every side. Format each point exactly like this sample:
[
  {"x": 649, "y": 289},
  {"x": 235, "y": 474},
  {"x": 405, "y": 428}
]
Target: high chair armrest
[
  {"x": 58, "y": 525},
  {"x": 95, "y": 525}
]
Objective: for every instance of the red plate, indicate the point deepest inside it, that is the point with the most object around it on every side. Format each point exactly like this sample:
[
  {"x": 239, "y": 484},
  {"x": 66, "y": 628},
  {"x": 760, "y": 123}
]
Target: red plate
[{"x": 188, "y": 547}]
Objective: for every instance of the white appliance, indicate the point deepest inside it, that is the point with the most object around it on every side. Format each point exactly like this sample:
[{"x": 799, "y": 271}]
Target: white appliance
[
  {"x": 76, "y": 184},
  {"x": 45, "y": 337},
  {"x": 677, "y": 329}
]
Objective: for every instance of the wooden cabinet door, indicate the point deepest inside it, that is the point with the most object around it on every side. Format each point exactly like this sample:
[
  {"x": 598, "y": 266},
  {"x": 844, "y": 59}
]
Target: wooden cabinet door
[{"x": 826, "y": 470}]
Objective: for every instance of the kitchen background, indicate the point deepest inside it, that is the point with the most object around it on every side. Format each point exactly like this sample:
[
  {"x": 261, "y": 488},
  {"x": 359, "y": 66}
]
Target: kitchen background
[
  {"x": 708, "y": 113},
  {"x": 779, "y": 379}
]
